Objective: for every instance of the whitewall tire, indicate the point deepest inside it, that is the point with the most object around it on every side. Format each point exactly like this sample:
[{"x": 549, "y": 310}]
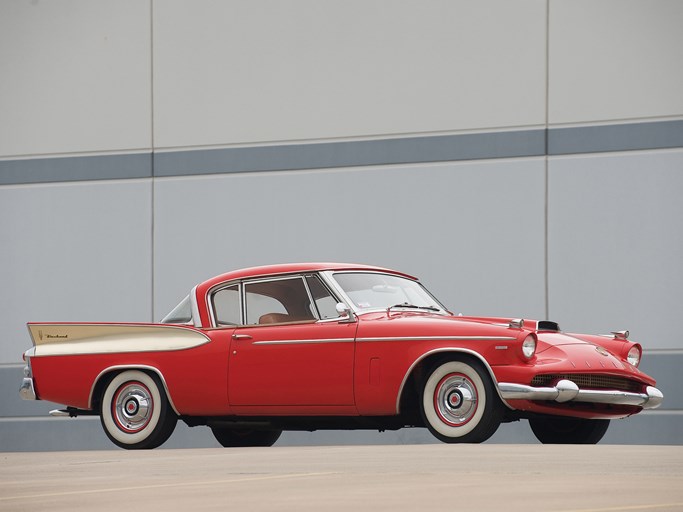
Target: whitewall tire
[
  {"x": 135, "y": 412},
  {"x": 459, "y": 403}
]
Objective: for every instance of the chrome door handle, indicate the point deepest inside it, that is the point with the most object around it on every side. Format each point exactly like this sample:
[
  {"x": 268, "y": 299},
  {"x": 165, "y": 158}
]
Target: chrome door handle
[{"x": 241, "y": 337}]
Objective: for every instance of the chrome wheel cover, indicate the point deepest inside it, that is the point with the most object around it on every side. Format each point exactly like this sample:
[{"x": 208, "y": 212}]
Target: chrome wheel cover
[
  {"x": 455, "y": 399},
  {"x": 132, "y": 407}
]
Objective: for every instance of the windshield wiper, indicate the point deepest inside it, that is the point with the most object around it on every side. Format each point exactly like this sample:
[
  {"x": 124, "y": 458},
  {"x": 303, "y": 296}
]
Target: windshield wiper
[{"x": 413, "y": 306}]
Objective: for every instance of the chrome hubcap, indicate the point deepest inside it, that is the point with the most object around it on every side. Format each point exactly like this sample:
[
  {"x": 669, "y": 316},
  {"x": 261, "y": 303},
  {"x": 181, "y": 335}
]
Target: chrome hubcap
[
  {"x": 132, "y": 407},
  {"x": 455, "y": 399}
]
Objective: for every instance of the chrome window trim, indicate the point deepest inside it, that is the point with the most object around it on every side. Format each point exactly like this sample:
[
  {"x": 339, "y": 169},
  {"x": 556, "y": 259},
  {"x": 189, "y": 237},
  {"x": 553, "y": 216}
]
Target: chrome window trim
[
  {"x": 311, "y": 303},
  {"x": 195, "y": 308},
  {"x": 242, "y": 285},
  {"x": 212, "y": 311},
  {"x": 327, "y": 287}
]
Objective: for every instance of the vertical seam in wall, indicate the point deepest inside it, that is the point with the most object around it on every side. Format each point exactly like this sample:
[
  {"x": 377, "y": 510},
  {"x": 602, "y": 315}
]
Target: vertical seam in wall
[
  {"x": 151, "y": 105},
  {"x": 546, "y": 174}
]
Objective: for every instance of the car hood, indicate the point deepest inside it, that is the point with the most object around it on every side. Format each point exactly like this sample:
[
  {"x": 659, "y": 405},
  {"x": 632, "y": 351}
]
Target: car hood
[
  {"x": 556, "y": 351},
  {"x": 421, "y": 323},
  {"x": 414, "y": 323}
]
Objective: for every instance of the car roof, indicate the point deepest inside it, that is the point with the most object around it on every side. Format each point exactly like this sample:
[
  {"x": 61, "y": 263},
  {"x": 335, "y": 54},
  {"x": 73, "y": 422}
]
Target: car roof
[{"x": 292, "y": 268}]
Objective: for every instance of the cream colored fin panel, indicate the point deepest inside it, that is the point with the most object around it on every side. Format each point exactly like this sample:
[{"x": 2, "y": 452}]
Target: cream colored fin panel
[{"x": 63, "y": 339}]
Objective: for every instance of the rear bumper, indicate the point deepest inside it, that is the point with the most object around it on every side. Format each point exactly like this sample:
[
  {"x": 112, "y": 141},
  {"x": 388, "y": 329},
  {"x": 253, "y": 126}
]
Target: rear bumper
[
  {"x": 27, "y": 391},
  {"x": 567, "y": 391}
]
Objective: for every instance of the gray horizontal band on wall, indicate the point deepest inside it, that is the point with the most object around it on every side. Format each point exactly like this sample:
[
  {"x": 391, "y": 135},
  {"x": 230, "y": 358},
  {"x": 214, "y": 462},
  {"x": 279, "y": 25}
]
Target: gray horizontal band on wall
[
  {"x": 76, "y": 168},
  {"x": 441, "y": 148},
  {"x": 352, "y": 154},
  {"x": 615, "y": 137}
]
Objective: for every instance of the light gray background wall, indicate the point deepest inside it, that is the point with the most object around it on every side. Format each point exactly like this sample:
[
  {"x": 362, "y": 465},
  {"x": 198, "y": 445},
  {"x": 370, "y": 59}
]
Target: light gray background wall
[{"x": 523, "y": 158}]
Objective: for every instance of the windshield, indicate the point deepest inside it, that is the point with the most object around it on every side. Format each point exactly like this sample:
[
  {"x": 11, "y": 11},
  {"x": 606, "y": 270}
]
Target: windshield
[
  {"x": 381, "y": 291},
  {"x": 181, "y": 314}
]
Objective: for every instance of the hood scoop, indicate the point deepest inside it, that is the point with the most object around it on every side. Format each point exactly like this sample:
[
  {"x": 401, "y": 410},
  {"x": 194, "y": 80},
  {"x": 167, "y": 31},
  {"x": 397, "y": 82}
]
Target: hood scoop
[
  {"x": 540, "y": 325},
  {"x": 547, "y": 325}
]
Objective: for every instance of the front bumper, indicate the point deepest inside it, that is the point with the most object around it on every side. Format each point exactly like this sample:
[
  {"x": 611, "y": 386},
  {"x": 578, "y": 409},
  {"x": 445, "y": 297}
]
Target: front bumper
[
  {"x": 27, "y": 391},
  {"x": 567, "y": 391}
]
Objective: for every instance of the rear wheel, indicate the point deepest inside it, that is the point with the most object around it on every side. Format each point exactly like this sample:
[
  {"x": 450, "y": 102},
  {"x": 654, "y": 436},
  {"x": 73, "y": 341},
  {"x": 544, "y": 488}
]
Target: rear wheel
[
  {"x": 135, "y": 411},
  {"x": 566, "y": 430},
  {"x": 459, "y": 403},
  {"x": 234, "y": 438}
]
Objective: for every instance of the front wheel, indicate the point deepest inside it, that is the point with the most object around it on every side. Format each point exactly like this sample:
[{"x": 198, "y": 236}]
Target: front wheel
[
  {"x": 459, "y": 403},
  {"x": 566, "y": 430},
  {"x": 135, "y": 411},
  {"x": 234, "y": 438}
]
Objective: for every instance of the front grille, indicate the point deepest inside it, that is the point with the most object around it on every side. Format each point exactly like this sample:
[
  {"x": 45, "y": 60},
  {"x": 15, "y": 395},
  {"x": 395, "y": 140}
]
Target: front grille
[{"x": 589, "y": 381}]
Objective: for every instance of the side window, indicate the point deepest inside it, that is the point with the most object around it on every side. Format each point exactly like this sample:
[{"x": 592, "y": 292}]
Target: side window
[
  {"x": 324, "y": 301},
  {"x": 226, "y": 305},
  {"x": 278, "y": 301}
]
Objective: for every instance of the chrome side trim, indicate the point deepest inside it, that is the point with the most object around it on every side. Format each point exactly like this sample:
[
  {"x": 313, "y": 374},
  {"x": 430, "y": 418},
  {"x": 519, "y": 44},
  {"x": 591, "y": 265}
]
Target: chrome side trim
[
  {"x": 438, "y": 338},
  {"x": 132, "y": 367},
  {"x": 59, "y": 413},
  {"x": 443, "y": 350},
  {"x": 27, "y": 391},
  {"x": 567, "y": 391},
  {"x": 303, "y": 342}
]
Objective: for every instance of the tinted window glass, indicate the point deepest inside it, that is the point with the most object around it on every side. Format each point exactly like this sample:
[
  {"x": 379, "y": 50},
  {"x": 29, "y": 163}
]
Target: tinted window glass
[
  {"x": 324, "y": 301},
  {"x": 226, "y": 304},
  {"x": 278, "y": 301}
]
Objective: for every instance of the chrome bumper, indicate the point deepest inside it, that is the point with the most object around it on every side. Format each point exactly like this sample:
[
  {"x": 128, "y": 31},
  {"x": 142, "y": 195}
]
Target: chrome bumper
[
  {"x": 567, "y": 391},
  {"x": 26, "y": 390}
]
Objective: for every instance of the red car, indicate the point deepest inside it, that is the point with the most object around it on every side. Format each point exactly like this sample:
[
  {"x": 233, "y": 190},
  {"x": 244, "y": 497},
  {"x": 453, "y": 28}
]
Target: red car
[{"x": 257, "y": 351}]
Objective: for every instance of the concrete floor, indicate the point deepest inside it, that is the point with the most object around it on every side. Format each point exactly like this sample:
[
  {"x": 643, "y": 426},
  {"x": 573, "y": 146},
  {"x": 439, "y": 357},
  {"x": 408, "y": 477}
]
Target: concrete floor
[{"x": 342, "y": 478}]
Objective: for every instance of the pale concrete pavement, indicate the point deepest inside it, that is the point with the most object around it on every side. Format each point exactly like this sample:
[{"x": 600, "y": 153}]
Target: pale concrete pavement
[{"x": 349, "y": 478}]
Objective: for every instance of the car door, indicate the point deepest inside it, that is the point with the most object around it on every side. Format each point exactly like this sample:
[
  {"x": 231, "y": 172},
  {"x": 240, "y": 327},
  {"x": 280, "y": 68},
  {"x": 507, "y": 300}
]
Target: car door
[{"x": 292, "y": 349}]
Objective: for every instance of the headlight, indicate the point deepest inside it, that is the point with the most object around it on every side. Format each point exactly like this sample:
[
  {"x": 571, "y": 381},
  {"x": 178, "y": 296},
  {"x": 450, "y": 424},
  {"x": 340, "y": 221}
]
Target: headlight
[
  {"x": 529, "y": 346},
  {"x": 634, "y": 355}
]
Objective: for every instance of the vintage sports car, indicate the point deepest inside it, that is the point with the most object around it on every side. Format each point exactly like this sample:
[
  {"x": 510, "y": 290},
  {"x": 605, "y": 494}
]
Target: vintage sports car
[{"x": 312, "y": 346}]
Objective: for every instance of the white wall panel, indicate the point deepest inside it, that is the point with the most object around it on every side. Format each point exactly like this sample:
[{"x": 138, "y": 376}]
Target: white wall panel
[
  {"x": 254, "y": 71},
  {"x": 78, "y": 252},
  {"x": 472, "y": 232},
  {"x": 616, "y": 245},
  {"x": 76, "y": 76},
  {"x": 615, "y": 59}
]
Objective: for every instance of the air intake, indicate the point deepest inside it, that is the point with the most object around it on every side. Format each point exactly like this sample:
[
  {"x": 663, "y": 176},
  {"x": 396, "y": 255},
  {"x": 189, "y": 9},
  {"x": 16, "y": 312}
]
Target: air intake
[{"x": 547, "y": 325}]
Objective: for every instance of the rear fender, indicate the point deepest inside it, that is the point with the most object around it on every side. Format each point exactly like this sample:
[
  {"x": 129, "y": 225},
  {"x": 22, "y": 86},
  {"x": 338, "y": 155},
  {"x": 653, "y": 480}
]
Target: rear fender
[{"x": 113, "y": 370}]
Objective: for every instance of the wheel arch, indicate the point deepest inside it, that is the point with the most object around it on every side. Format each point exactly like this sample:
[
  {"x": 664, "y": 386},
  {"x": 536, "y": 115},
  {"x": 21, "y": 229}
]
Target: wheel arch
[
  {"x": 105, "y": 376},
  {"x": 428, "y": 358}
]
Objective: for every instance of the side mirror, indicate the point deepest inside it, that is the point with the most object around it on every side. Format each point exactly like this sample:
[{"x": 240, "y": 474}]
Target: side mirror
[{"x": 346, "y": 315}]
